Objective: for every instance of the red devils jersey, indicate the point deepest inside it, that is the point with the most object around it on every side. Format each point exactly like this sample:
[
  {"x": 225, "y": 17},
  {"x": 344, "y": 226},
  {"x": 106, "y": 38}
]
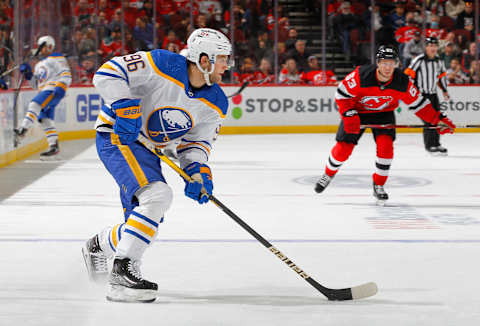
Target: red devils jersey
[{"x": 361, "y": 91}]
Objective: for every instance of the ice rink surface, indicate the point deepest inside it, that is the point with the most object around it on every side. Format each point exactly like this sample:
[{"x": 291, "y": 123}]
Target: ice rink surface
[{"x": 422, "y": 249}]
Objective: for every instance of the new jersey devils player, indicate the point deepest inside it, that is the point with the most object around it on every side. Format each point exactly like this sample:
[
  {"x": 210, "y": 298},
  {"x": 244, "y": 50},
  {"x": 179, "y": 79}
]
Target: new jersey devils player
[{"x": 370, "y": 95}]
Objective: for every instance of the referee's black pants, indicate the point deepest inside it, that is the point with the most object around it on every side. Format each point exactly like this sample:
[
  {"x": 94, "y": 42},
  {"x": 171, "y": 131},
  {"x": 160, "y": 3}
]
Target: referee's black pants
[{"x": 431, "y": 137}]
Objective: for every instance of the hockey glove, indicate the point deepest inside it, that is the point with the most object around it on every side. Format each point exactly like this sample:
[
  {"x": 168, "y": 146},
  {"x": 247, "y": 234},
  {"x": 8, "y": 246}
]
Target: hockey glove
[
  {"x": 201, "y": 185},
  {"x": 351, "y": 121},
  {"x": 446, "y": 125},
  {"x": 3, "y": 84},
  {"x": 26, "y": 70},
  {"x": 128, "y": 120}
]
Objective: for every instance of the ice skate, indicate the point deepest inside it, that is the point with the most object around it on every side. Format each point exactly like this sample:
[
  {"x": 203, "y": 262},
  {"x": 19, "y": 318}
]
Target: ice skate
[
  {"x": 51, "y": 154},
  {"x": 95, "y": 260},
  {"x": 19, "y": 135},
  {"x": 437, "y": 150},
  {"x": 322, "y": 183},
  {"x": 127, "y": 285},
  {"x": 380, "y": 194}
]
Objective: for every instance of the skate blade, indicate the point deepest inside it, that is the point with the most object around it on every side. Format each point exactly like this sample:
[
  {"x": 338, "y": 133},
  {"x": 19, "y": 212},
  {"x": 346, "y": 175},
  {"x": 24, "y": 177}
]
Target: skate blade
[
  {"x": 381, "y": 202},
  {"x": 53, "y": 158},
  {"x": 119, "y": 293},
  {"x": 99, "y": 278}
]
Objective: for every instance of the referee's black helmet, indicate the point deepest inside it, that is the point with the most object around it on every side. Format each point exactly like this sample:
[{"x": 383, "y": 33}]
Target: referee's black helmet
[{"x": 431, "y": 40}]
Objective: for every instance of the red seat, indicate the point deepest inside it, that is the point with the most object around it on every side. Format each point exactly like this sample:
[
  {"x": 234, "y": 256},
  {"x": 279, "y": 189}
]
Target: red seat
[{"x": 447, "y": 22}]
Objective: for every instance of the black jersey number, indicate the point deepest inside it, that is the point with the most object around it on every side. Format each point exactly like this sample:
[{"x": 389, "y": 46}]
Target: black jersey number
[{"x": 134, "y": 61}]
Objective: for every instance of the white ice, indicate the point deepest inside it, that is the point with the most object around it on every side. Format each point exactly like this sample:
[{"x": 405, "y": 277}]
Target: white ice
[{"x": 422, "y": 249}]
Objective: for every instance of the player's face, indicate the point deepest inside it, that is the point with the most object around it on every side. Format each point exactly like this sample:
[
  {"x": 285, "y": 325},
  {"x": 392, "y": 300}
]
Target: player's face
[
  {"x": 386, "y": 67},
  {"x": 46, "y": 50},
  {"x": 221, "y": 65},
  {"x": 431, "y": 50}
]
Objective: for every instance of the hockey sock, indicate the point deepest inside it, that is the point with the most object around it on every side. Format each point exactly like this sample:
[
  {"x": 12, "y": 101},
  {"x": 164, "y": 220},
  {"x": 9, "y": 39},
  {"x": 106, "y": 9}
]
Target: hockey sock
[
  {"x": 384, "y": 159},
  {"x": 32, "y": 115},
  {"x": 339, "y": 154},
  {"x": 109, "y": 237},
  {"x": 50, "y": 131},
  {"x": 142, "y": 224}
]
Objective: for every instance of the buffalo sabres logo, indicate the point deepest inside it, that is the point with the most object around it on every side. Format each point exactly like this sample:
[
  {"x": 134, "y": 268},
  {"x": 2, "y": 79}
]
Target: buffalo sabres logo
[
  {"x": 376, "y": 103},
  {"x": 41, "y": 75},
  {"x": 167, "y": 123}
]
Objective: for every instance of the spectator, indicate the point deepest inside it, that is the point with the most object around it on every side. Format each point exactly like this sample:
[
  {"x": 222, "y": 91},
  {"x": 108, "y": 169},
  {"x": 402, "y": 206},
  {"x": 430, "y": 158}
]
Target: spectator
[
  {"x": 475, "y": 72},
  {"x": 106, "y": 7},
  {"x": 88, "y": 42},
  {"x": 447, "y": 55},
  {"x": 454, "y": 8},
  {"x": 289, "y": 74},
  {"x": 450, "y": 38},
  {"x": 412, "y": 49},
  {"x": 143, "y": 34},
  {"x": 111, "y": 46},
  {"x": 406, "y": 33},
  {"x": 434, "y": 30},
  {"x": 172, "y": 47},
  {"x": 469, "y": 55},
  {"x": 86, "y": 70},
  {"x": 103, "y": 29},
  {"x": 116, "y": 22},
  {"x": 344, "y": 22},
  {"x": 83, "y": 12},
  {"x": 292, "y": 38},
  {"x": 166, "y": 9},
  {"x": 314, "y": 75},
  {"x": 300, "y": 55},
  {"x": 171, "y": 38},
  {"x": 247, "y": 71},
  {"x": 397, "y": 18},
  {"x": 201, "y": 21},
  {"x": 456, "y": 75},
  {"x": 264, "y": 74},
  {"x": 466, "y": 19}
]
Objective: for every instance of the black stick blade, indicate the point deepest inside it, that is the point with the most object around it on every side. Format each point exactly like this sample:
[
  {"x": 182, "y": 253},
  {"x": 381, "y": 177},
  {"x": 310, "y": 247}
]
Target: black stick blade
[{"x": 357, "y": 292}]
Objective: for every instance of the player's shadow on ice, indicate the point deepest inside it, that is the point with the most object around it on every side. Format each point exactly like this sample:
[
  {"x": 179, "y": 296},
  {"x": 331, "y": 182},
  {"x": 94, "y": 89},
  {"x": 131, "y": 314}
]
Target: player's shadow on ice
[{"x": 280, "y": 300}]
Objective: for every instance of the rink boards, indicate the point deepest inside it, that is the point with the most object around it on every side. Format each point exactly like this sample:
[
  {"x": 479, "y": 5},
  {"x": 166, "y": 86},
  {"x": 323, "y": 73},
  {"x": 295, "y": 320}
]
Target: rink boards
[{"x": 258, "y": 109}]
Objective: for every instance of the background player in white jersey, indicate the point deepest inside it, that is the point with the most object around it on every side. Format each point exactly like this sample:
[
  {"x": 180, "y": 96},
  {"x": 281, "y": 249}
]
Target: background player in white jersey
[
  {"x": 52, "y": 77},
  {"x": 167, "y": 98}
]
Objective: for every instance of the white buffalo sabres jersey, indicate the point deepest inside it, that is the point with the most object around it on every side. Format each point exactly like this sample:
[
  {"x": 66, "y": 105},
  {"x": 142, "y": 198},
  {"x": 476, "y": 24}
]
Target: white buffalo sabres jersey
[
  {"x": 50, "y": 72},
  {"x": 172, "y": 110}
]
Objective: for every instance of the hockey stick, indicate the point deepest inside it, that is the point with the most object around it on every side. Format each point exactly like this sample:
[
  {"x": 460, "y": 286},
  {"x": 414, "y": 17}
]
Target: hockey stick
[
  {"x": 390, "y": 126},
  {"x": 356, "y": 292},
  {"x": 17, "y": 92},
  {"x": 245, "y": 84}
]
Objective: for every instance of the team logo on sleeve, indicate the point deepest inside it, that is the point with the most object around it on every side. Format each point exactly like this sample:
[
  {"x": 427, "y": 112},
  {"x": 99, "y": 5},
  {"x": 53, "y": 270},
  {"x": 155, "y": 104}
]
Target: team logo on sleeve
[
  {"x": 167, "y": 123},
  {"x": 376, "y": 103},
  {"x": 41, "y": 75}
]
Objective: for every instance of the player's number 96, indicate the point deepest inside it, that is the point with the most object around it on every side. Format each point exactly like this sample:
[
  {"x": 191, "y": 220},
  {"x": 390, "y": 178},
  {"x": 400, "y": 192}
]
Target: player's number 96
[{"x": 133, "y": 61}]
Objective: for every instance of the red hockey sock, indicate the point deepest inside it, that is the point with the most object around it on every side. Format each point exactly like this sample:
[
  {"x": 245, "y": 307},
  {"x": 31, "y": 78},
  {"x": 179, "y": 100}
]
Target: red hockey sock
[
  {"x": 384, "y": 159},
  {"x": 339, "y": 154}
]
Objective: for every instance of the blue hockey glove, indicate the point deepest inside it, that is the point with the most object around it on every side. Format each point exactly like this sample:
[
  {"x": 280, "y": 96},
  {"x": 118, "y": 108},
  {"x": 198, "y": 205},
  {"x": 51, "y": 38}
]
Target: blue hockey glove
[
  {"x": 3, "y": 84},
  {"x": 128, "y": 121},
  {"x": 202, "y": 179},
  {"x": 26, "y": 70}
]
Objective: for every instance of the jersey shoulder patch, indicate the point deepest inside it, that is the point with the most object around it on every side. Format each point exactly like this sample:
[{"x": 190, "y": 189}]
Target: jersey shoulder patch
[{"x": 171, "y": 64}]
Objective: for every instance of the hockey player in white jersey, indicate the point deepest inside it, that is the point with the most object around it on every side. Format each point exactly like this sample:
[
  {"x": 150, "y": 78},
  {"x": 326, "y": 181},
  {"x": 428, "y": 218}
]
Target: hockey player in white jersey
[
  {"x": 165, "y": 97},
  {"x": 52, "y": 77}
]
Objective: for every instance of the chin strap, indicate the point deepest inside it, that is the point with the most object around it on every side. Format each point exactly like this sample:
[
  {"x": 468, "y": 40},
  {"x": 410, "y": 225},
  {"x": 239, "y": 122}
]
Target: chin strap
[{"x": 206, "y": 73}]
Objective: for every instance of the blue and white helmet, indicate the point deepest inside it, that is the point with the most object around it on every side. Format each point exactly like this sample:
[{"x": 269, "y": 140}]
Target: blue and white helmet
[{"x": 207, "y": 41}]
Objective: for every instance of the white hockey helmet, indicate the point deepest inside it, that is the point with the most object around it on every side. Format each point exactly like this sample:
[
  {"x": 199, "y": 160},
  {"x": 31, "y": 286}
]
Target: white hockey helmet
[
  {"x": 50, "y": 41},
  {"x": 207, "y": 41}
]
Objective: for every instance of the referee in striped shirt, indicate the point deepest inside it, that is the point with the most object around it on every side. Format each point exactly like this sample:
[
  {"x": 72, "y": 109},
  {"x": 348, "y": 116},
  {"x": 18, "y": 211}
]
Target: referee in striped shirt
[{"x": 428, "y": 71}]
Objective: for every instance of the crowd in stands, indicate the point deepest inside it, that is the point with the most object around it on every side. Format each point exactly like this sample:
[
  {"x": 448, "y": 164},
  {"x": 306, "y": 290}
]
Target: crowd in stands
[
  {"x": 91, "y": 32},
  {"x": 405, "y": 23}
]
